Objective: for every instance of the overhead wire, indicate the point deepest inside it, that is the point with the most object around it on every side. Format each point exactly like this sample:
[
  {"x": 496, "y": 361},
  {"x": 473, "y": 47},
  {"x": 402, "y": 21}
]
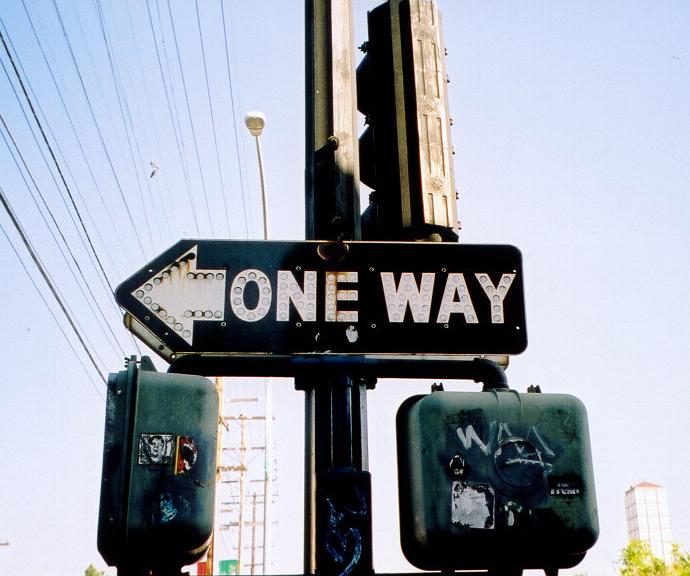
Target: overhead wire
[
  {"x": 178, "y": 136},
  {"x": 52, "y": 313},
  {"x": 234, "y": 123},
  {"x": 108, "y": 213},
  {"x": 52, "y": 155},
  {"x": 165, "y": 209},
  {"x": 191, "y": 120},
  {"x": 98, "y": 312},
  {"x": 62, "y": 166},
  {"x": 91, "y": 252},
  {"x": 213, "y": 121},
  {"x": 51, "y": 286},
  {"x": 111, "y": 125},
  {"x": 58, "y": 148},
  {"x": 98, "y": 129},
  {"x": 126, "y": 120}
]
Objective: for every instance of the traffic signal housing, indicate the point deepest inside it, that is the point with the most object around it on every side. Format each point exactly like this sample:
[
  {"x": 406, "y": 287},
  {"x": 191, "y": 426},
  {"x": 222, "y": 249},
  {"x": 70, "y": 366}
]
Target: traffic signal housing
[
  {"x": 495, "y": 480},
  {"x": 405, "y": 151},
  {"x": 159, "y": 467}
]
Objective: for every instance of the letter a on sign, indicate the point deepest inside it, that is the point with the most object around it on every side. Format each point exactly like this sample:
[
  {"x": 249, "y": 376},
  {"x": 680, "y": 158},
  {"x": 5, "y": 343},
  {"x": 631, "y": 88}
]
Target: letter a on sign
[{"x": 456, "y": 285}]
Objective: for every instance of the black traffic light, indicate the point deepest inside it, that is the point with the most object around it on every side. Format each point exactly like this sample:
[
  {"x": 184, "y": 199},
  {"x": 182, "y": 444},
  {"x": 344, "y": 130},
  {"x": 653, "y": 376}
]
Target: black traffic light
[
  {"x": 405, "y": 151},
  {"x": 159, "y": 468},
  {"x": 495, "y": 480}
]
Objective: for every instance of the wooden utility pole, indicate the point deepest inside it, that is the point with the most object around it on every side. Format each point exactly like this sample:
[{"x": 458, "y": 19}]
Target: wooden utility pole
[
  {"x": 222, "y": 425},
  {"x": 253, "y": 547},
  {"x": 242, "y": 477},
  {"x": 243, "y": 473},
  {"x": 332, "y": 156}
]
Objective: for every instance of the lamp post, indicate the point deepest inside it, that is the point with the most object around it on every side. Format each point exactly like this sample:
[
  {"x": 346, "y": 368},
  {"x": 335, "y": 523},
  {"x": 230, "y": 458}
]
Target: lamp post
[{"x": 255, "y": 122}]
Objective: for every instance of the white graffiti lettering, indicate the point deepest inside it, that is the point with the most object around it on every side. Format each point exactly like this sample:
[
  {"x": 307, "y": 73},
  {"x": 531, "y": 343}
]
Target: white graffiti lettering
[
  {"x": 500, "y": 433},
  {"x": 469, "y": 436}
]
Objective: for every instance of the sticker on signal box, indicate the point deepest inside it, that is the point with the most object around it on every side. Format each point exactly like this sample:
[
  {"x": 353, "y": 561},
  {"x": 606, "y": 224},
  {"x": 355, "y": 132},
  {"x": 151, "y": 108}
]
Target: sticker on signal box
[
  {"x": 155, "y": 449},
  {"x": 186, "y": 454}
]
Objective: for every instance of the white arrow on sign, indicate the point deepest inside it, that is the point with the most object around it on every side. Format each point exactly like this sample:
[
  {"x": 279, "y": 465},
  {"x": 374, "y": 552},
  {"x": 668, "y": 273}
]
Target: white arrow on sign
[{"x": 180, "y": 294}]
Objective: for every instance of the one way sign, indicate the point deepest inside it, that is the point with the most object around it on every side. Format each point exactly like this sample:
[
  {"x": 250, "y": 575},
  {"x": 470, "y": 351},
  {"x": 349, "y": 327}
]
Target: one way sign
[{"x": 225, "y": 297}]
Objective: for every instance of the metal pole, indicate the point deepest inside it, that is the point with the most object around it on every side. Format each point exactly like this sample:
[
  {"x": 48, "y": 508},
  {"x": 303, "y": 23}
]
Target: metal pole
[
  {"x": 255, "y": 122},
  {"x": 253, "y": 556},
  {"x": 243, "y": 471},
  {"x": 268, "y": 478},
  {"x": 332, "y": 159},
  {"x": 309, "y": 478},
  {"x": 263, "y": 185}
]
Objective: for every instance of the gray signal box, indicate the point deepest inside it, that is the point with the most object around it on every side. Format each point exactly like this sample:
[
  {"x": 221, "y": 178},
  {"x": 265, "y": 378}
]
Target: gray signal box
[
  {"x": 159, "y": 470},
  {"x": 495, "y": 480}
]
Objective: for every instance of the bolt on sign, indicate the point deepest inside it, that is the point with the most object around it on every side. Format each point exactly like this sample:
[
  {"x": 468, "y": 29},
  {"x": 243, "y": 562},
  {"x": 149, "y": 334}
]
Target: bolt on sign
[{"x": 230, "y": 297}]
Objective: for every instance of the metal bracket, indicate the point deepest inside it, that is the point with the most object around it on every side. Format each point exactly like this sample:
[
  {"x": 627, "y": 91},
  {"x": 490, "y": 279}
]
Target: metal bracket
[{"x": 285, "y": 365}]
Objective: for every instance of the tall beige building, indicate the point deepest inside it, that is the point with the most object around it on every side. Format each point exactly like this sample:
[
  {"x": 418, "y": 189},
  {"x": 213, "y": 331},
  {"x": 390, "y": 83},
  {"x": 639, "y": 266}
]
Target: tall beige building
[{"x": 646, "y": 514}]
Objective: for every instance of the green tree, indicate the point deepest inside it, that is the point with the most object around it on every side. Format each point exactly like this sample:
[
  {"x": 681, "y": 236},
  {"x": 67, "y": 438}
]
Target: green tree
[
  {"x": 637, "y": 560},
  {"x": 91, "y": 571},
  {"x": 681, "y": 562}
]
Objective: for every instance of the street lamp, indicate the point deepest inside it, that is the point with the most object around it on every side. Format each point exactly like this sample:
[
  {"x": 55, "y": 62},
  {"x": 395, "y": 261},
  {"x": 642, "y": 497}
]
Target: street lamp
[{"x": 255, "y": 122}]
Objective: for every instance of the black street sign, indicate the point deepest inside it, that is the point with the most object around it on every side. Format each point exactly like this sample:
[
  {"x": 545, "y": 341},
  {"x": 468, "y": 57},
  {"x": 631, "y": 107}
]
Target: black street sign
[{"x": 227, "y": 296}]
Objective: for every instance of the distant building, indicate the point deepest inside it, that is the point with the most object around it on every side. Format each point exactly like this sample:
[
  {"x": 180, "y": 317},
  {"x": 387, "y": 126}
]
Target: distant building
[{"x": 646, "y": 514}]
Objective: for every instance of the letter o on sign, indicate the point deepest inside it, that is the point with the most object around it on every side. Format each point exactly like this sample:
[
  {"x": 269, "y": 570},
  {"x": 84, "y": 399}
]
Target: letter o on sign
[{"x": 239, "y": 284}]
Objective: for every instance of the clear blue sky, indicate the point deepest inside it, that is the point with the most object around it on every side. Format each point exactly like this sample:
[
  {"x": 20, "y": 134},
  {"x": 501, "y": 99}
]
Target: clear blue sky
[{"x": 572, "y": 138}]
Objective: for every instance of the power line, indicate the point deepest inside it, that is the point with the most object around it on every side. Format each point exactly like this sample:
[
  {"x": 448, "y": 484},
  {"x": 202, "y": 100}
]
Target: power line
[
  {"x": 52, "y": 155},
  {"x": 234, "y": 123},
  {"x": 191, "y": 119},
  {"x": 124, "y": 107},
  {"x": 81, "y": 285},
  {"x": 50, "y": 311},
  {"x": 144, "y": 81},
  {"x": 106, "y": 285},
  {"x": 97, "y": 312},
  {"x": 178, "y": 137},
  {"x": 97, "y": 188},
  {"x": 106, "y": 211},
  {"x": 48, "y": 281},
  {"x": 213, "y": 122},
  {"x": 98, "y": 129},
  {"x": 66, "y": 166}
]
